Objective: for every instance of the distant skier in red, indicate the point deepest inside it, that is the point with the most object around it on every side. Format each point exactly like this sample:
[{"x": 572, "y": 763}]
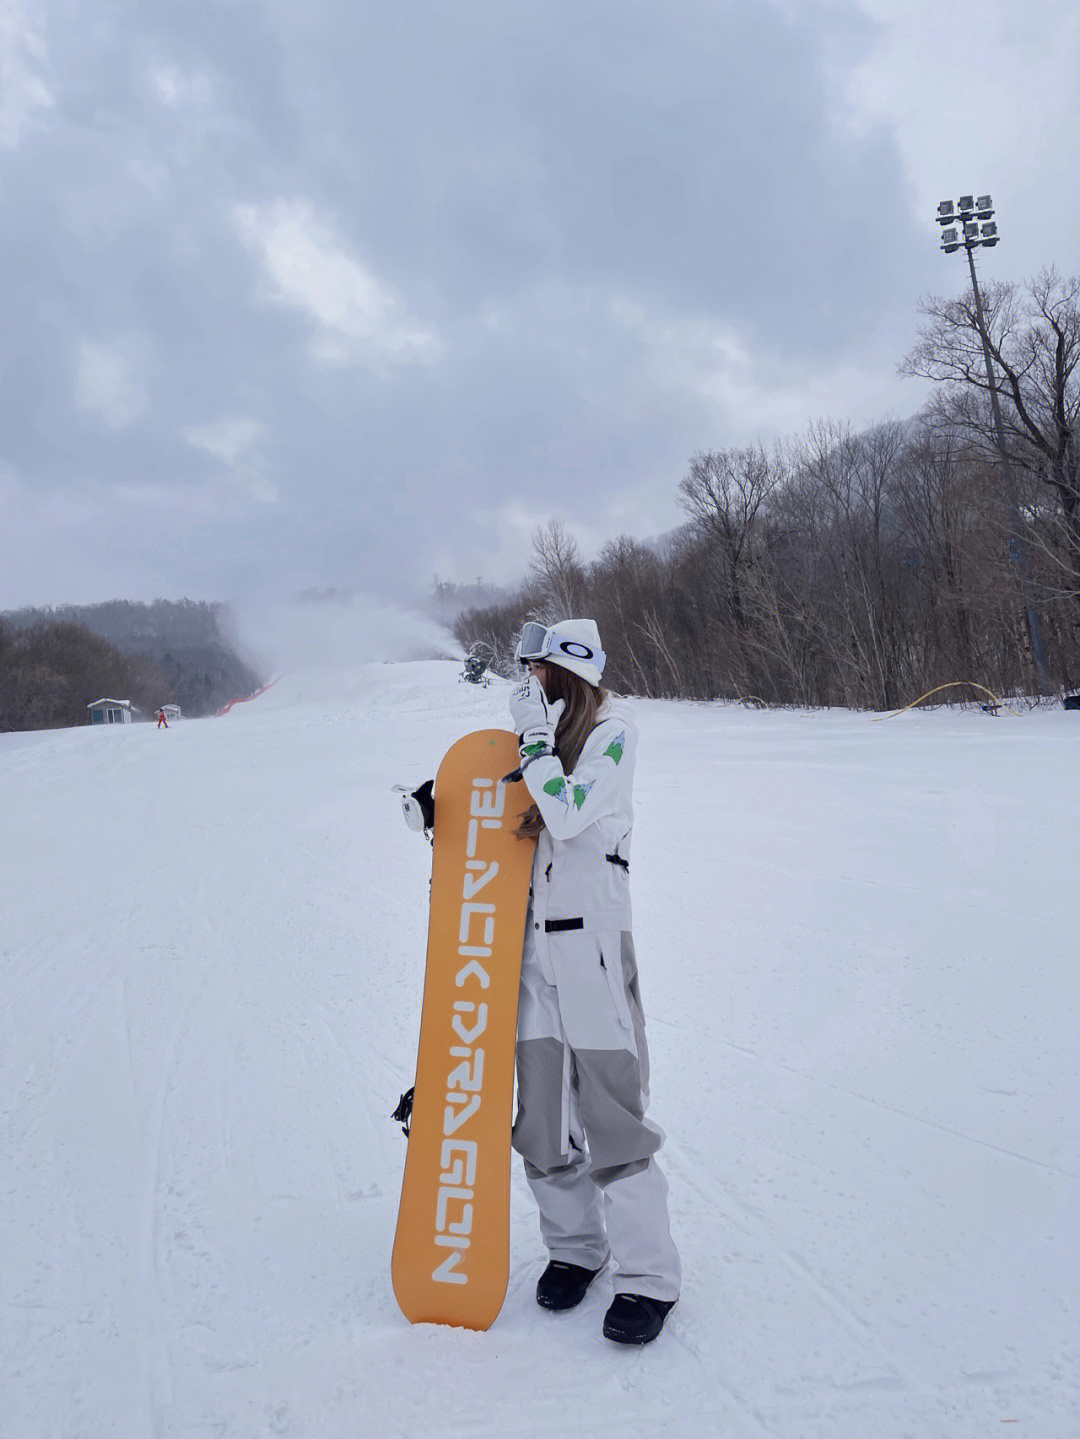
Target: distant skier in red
[{"x": 161, "y": 720}]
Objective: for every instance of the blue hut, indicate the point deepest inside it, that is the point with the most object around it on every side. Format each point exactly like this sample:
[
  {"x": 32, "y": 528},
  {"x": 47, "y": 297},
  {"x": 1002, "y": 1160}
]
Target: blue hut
[{"x": 110, "y": 711}]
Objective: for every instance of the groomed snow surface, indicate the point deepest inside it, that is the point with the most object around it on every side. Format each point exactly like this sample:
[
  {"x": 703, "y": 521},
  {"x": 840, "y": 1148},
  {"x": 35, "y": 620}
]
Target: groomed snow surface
[{"x": 859, "y": 957}]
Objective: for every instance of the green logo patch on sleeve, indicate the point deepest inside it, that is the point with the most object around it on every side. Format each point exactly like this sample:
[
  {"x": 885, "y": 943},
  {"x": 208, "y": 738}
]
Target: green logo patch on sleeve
[{"x": 616, "y": 747}]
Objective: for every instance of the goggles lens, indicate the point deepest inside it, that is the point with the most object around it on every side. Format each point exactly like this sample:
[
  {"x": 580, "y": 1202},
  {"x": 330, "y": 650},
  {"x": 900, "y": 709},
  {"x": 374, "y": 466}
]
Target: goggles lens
[{"x": 534, "y": 643}]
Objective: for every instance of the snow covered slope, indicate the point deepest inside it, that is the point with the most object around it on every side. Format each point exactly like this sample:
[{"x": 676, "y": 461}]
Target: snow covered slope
[{"x": 859, "y": 964}]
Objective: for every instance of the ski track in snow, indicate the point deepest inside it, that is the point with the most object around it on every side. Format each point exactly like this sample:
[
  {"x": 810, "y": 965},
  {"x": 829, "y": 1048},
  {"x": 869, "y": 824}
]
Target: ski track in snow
[{"x": 858, "y": 962}]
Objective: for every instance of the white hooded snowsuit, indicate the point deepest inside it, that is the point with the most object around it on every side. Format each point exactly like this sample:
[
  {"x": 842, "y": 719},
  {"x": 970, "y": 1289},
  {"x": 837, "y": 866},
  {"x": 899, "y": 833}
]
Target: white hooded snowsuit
[{"x": 583, "y": 1067}]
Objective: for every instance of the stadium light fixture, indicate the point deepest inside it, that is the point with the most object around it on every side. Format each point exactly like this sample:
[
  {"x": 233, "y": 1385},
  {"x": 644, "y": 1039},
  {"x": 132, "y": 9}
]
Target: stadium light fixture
[{"x": 967, "y": 222}]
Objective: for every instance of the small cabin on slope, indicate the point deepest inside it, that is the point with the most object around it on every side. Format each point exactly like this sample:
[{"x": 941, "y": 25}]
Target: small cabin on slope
[{"x": 110, "y": 711}]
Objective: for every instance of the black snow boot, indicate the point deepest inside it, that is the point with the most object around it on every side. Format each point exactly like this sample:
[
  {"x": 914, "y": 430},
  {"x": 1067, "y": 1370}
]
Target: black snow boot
[
  {"x": 562, "y": 1285},
  {"x": 635, "y": 1318}
]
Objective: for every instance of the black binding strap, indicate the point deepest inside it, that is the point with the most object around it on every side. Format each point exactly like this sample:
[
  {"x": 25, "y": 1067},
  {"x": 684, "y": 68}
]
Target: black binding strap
[
  {"x": 618, "y": 859},
  {"x": 557, "y": 926},
  {"x": 403, "y": 1112}
]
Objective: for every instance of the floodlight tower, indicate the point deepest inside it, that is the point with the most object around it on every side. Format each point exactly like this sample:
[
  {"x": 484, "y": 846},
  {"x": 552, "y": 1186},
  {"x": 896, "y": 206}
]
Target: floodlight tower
[{"x": 967, "y": 224}]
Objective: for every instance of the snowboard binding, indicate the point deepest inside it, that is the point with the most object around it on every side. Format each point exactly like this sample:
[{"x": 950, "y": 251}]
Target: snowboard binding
[
  {"x": 403, "y": 1112},
  {"x": 418, "y": 807}
]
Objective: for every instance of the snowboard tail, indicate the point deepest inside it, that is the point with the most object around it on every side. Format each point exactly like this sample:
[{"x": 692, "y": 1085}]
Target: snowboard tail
[{"x": 451, "y": 1256}]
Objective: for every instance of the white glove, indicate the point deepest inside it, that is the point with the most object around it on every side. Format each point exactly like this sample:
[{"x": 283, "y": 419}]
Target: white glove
[{"x": 535, "y": 718}]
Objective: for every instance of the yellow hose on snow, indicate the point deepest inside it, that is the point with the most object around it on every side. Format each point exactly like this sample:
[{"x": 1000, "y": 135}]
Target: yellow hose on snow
[{"x": 952, "y": 684}]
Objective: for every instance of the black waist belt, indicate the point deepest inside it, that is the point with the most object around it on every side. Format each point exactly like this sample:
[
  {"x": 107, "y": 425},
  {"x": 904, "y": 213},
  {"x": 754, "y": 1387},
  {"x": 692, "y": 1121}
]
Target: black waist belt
[{"x": 556, "y": 926}]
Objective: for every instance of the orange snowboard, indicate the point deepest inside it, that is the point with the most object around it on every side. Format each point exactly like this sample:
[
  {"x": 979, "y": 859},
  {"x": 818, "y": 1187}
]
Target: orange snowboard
[{"x": 451, "y": 1257}]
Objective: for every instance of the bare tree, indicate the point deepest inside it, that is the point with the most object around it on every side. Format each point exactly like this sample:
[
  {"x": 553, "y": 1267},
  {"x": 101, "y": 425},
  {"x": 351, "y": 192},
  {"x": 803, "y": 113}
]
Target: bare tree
[
  {"x": 556, "y": 572},
  {"x": 723, "y": 494},
  {"x": 847, "y": 479},
  {"x": 1033, "y": 337},
  {"x": 937, "y": 505},
  {"x": 624, "y": 582}
]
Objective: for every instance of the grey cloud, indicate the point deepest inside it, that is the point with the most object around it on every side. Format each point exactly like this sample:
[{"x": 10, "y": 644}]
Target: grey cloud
[{"x": 505, "y": 179}]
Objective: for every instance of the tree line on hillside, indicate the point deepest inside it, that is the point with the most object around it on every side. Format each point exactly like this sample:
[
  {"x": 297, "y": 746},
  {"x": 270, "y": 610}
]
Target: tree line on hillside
[
  {"x": 54, "y": 662},
  {"x": 857, "y": 569},
  {"x": 50, "y": 672}
]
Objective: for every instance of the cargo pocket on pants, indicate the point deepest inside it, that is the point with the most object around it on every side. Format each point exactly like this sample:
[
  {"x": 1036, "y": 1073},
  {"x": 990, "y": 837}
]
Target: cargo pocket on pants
[{"x": 610, "y": 946}]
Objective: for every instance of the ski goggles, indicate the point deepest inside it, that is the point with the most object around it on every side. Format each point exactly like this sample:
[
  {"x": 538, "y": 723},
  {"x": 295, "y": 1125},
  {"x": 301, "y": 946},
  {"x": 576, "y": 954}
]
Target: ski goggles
[
  {"x": 534, "y": 644},
  {"x": 538, "y": 642}
]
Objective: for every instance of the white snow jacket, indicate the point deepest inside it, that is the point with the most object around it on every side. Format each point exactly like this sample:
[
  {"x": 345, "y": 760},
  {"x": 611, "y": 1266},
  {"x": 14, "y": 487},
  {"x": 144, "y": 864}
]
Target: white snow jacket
[{"x": 581, "y": 868}]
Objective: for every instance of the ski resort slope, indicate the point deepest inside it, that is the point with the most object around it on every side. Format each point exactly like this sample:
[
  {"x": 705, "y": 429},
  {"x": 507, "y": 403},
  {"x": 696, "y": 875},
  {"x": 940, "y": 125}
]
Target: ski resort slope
[{"x": 859, "y": 966}]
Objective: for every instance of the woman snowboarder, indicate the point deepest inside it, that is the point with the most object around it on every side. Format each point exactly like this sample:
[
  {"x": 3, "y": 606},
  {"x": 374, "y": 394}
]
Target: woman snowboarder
[{"x": 582, "y": 1061}]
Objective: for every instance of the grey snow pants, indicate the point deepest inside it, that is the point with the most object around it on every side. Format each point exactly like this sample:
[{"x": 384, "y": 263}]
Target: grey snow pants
[{"x": 583, "y": 1088}]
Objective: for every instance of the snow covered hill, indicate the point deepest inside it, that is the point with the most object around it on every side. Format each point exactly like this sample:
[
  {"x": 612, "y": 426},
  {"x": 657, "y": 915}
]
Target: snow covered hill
[{"x": 859, "y": 964}]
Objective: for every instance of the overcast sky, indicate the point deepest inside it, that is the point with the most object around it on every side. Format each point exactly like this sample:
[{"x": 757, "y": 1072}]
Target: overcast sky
[{"x": 307, "y": 293}]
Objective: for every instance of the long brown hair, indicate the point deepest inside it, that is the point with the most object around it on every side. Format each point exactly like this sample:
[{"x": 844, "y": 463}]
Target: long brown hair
[{"x": 576, "y": 724}]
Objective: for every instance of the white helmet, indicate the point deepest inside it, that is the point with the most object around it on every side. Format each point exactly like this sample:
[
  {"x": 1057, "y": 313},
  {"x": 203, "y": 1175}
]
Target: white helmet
[{"x": 572, "y": 644}]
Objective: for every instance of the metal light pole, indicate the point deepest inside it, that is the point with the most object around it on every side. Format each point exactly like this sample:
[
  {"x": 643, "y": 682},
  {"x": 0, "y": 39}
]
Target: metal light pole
[{"x": 969, "y": 225}]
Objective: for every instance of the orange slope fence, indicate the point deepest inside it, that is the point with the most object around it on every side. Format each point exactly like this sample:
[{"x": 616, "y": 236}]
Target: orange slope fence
[{"x": 243, "y": 699}]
